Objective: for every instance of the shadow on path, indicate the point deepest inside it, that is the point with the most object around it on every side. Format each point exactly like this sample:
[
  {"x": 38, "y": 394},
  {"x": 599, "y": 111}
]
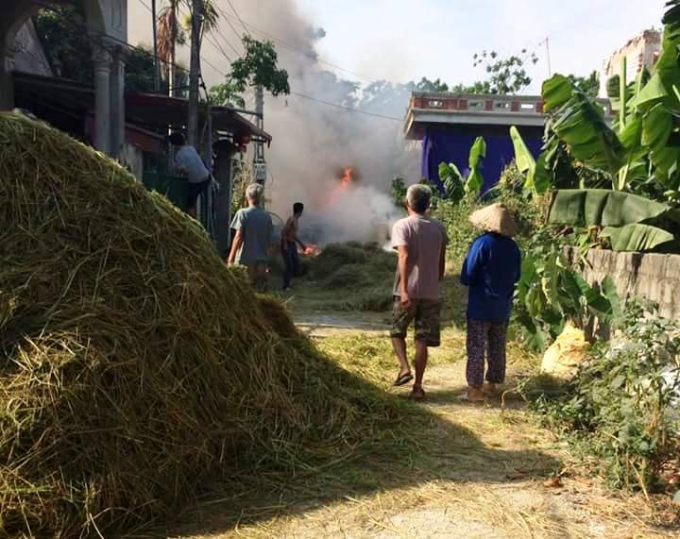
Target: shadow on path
[{"x": 419, "y": 447}]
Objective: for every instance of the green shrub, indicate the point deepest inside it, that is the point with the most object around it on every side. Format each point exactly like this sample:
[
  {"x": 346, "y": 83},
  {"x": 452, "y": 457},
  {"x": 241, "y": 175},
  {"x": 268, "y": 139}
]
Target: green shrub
[{"x": 619, "y": 408}]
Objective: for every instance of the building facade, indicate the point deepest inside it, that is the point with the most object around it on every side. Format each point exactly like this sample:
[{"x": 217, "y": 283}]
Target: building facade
[{"x": 640, "y": 52}]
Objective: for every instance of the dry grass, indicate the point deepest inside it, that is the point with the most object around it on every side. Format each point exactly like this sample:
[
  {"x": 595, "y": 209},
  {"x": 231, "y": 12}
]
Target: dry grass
[
  {"x": 135, "y": 370},
  {"x": 472, "y": 472}
]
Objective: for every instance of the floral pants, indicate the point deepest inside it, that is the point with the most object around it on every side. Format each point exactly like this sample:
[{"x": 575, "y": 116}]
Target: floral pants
[{"x": 489, "y": 337}]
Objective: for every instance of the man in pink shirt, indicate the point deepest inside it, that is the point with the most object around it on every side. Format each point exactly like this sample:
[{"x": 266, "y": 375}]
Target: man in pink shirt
[{"x": 421, "y": 244}]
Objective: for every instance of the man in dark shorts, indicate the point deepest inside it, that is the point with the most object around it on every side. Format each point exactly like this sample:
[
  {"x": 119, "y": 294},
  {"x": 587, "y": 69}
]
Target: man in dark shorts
[
  {"x": 289, "y": 243},
  {"x": 189, "y": 164},
  {"x": 421, "y": 244}
]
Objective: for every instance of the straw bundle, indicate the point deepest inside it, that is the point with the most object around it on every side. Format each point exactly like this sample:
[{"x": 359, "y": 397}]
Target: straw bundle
[{"x": 134, "y": 366}]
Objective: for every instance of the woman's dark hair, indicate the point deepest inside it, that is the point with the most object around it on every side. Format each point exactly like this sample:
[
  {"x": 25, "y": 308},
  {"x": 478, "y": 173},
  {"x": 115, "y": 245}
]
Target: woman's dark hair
[
  {"x": 298, "y": 207},
  {"x": 177, "y": 139}
]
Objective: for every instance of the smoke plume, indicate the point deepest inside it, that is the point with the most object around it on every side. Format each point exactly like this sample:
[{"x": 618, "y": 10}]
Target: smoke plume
[{"x": 313, "y": 140}]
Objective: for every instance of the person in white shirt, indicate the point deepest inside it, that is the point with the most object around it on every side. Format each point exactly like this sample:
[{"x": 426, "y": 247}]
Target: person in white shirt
[{"x": 188, "y": 163}]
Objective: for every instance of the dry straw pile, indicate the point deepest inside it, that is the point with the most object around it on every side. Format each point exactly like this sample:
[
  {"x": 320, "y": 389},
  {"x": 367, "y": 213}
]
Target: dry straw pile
[{"x": 133, "y": 366}]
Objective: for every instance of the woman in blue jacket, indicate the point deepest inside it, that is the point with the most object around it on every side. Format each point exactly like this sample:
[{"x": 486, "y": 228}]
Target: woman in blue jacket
[{"x": 491, "y": 269}]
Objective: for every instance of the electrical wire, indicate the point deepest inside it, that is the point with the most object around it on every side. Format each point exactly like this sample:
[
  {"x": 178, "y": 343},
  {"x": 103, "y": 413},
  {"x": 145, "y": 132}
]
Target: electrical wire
[
  {"x": 349, "y": 109},
  {"x": 219, "y": 71},
  {"x": 238, "y": 17}
]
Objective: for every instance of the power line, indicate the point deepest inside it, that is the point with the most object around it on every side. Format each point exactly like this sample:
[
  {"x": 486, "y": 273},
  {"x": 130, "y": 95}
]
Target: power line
[
  {"x": 293, "y": 48},
  {"x": 226, "y": 18},
  {"x": 238, "y": 17},
  {"x": 349, "y": 109},
  {"x": 304, "y": 96}
]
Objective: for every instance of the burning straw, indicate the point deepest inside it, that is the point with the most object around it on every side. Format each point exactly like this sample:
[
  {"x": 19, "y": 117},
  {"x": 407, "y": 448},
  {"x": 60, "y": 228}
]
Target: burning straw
[{"x": 134, "y": 367}]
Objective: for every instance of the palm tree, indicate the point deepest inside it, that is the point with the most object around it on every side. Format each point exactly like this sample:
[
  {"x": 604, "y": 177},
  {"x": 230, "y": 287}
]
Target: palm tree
[
  {"x": 209, "y": 20},
  {"x": 170, "y": 34}
]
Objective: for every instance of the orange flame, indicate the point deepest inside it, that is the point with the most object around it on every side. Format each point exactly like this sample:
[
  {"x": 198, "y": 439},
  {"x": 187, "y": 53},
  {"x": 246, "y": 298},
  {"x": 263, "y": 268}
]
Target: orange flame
[
  {"x": 347, "y": 177},
  {"x": 312, "y": 250}
]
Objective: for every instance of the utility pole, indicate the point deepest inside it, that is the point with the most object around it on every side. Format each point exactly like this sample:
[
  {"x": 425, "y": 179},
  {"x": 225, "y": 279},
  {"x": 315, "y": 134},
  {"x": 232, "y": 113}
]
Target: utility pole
[
  {"x": 547, "y": 50},
  {"x": 194, "y": 68},
  {"x": 259, "y": 163},
  {"x": 156, "y": 62}
]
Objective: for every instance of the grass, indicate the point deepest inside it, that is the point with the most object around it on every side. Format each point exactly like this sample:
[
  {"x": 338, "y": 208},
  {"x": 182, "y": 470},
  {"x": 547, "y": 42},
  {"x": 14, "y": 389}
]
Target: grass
[
  {"x": 477, "y": 470},
  {"x": 441, "y": 466},
  {"x": 135, "y": 368}
]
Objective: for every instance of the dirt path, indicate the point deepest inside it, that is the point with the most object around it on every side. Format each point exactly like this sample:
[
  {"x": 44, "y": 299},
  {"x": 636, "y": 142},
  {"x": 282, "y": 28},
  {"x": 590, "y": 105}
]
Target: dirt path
[{"x": 496, "y": 484}]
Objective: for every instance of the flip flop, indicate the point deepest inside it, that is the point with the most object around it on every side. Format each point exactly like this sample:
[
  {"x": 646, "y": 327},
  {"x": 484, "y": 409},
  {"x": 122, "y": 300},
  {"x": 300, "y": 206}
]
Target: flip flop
[
  {"x": 417, "y": 394},
  {"x": 403, "y": 379}
]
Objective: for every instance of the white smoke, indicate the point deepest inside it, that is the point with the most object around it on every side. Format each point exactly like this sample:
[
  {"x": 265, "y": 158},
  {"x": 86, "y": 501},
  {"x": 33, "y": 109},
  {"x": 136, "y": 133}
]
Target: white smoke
[{"x": 311, "y": 140}]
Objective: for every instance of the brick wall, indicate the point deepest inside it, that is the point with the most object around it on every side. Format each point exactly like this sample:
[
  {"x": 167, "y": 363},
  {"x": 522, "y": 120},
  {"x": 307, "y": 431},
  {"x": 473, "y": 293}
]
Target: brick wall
[{"x": 655, "y": 277}]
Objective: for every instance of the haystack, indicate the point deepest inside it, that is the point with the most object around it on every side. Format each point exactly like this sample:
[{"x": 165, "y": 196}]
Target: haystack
[{"x": 134, "y": 367}]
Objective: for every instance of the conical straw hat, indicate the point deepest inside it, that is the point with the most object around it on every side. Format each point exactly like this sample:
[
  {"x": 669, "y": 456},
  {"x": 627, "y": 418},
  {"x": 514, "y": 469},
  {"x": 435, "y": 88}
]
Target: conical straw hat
[{"x": 494, "y": 218}]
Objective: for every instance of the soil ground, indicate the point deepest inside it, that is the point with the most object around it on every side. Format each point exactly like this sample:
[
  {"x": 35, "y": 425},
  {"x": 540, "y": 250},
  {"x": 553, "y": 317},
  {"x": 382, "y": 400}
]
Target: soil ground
[{"x": 486, "y": 471}]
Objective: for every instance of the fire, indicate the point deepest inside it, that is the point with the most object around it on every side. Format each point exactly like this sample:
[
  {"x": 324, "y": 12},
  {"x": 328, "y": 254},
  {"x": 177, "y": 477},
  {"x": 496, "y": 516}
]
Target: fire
[
  {"x": 347, "y": 177},
  {"x": 312, "y": 250}
]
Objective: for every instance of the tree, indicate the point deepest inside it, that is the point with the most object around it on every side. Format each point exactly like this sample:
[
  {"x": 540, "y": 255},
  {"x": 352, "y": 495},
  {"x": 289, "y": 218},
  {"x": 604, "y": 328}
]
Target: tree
[
  {"x": 226, "y": 94},
  {"x": 427, "y": 85},
  {"x": 209, "y": 19},
  {"x": 61, "y": 31},
  {"x": 258, "y": 67},
  {"x": 139, "y": 70},
  {"x": 589, "y": 85},
  {"x": 506, "y": 76},
  {"x": 170, "y": 34}
]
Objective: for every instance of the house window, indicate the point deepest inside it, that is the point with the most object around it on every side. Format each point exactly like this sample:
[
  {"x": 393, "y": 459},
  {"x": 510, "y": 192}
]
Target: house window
[
  {"x": 501, "y": 106},
  {"x": 476, "y": 105},
  {"x": 435, "y": 104}
]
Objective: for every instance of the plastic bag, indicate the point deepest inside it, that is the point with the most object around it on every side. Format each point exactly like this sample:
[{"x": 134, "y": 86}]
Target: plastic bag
[{"x": 566, "y": 353}]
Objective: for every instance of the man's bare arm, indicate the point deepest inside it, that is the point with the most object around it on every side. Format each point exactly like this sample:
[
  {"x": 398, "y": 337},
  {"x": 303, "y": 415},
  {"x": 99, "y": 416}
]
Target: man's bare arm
[
  {"x": 235, "y": 246},
  {"x": 402, "y": 264}
]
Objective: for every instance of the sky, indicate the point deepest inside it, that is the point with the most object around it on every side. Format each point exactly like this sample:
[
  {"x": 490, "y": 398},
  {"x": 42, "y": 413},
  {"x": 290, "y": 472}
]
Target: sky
[{"x": 402, "y": 40}]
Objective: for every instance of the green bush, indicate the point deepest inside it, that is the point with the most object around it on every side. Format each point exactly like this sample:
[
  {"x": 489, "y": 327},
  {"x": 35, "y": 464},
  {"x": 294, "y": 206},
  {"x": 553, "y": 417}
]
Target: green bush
[{"x": 619, "y": 408}]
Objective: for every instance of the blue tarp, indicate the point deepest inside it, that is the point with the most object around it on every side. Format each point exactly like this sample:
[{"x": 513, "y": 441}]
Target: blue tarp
[{"x": 440, "y": 145}]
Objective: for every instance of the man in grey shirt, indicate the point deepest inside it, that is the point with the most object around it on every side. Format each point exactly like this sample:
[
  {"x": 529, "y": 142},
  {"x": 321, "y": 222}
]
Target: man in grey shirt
[{"x": 253, "y": 240}]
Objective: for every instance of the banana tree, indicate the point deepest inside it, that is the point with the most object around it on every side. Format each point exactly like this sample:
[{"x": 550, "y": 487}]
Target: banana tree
[
  {"x": 641, "y": 154},
  {"x": 631, "y": 222},
  {"x": 475, "y": 181},
  {"x": 456, "y": 186}
]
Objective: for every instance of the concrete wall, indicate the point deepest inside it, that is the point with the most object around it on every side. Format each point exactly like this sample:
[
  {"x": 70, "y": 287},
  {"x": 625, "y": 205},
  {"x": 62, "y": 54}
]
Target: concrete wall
[
  {"x": 655, "y": 277},
  {"x": 641, "y": 51},
  {"x": 27, "y": 54}
]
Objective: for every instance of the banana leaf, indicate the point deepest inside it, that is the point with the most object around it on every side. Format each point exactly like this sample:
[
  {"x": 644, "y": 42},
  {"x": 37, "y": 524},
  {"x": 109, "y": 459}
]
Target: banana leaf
[
  {"x": 637, "y": 237},
  {"x": 453, "y": 181},
  {"x": 577, "y": 287},
  {"x": 611, "y": 293},
  {"x": 671, "y": 19},
  {"x": 556, "y": 91},
  {"x": 475, "y": 181},
  {"x": 524, "y": 159},
  {"x": 602, "y": 207},
  {"x": 666, "y": 66},
  {"x": 652, "y": 92},
  {"x": 580, "y": 124},
  {"x": 657, "y": 127}
]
